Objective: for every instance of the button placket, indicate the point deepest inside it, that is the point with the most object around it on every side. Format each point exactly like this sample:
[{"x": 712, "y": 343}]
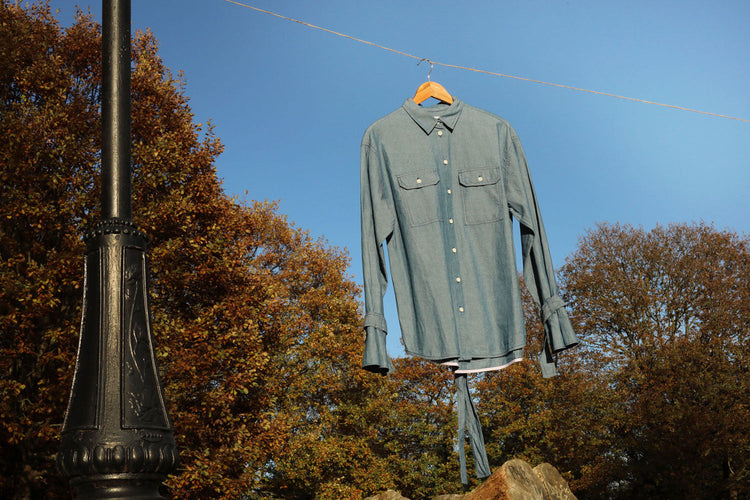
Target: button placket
[{"x": 442, "y": 141}]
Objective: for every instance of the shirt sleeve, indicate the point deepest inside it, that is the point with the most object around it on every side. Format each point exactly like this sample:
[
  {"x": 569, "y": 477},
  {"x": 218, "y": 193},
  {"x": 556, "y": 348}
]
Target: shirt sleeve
[
  {"x": 538, "y": 272},
  {"x": 378, "y": 217}
]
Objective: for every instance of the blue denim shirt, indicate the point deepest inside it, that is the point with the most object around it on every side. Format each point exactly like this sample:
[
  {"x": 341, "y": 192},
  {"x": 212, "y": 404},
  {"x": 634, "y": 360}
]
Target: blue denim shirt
[{"x": 441, "y": 186}]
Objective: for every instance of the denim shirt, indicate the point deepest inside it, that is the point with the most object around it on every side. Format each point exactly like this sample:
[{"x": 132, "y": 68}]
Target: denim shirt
[{"x": 441, "y": 185}]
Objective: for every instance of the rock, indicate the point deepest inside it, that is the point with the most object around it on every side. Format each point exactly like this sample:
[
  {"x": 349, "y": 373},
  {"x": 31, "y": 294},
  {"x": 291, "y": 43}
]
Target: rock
[
  {"x": 387, "y": 495},
  {"x": 556, "y": 488},
  {"x": 516, "y": 480}
]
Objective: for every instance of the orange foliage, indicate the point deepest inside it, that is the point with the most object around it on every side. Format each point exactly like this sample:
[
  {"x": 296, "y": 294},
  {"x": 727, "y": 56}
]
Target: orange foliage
[{"x": 257, "y": 325}]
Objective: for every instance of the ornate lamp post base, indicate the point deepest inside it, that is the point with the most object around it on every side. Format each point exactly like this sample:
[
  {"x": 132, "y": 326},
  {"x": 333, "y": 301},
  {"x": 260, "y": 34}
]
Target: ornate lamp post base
[{"x": 117, "y": 440}]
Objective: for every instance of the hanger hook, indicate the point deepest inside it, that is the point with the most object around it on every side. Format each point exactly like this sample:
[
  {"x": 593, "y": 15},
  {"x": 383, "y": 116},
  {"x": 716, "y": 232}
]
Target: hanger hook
[{"x": 432, "y": 65}]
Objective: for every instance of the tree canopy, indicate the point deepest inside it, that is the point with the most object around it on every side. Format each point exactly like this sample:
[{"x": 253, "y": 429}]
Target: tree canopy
[
  {"x": 258, "y": 326},
  {"x": 664, "y": 317}
]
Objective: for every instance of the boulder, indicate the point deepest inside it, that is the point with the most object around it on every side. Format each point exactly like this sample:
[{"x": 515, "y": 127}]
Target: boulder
[{"x": 516, "y": 480}]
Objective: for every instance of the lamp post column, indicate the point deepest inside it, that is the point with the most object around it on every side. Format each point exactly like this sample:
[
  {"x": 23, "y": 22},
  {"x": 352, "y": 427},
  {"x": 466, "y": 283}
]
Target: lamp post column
[{"x": 117, "y": 439}]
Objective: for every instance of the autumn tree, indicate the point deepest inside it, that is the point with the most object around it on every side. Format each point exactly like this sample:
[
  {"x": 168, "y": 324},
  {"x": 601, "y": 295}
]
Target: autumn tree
[
  {"x": 653, "y": 403},
  {"x": 257, "y": 324},
  {"x": 48, "y": 156},
  {"x": 664, "y": 317}
]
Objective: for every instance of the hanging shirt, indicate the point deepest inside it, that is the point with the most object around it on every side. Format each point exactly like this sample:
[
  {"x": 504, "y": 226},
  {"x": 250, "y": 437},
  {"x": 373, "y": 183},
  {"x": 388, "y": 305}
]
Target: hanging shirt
[{"x": 441, "y": 186}]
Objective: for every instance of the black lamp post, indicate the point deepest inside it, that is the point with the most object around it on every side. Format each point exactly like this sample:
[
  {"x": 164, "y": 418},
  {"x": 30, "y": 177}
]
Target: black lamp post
[{"x": 117, "y": 439}]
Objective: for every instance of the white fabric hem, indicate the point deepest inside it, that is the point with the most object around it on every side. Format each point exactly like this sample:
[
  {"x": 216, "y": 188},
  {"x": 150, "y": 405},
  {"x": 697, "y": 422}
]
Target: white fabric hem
[{"x": 479, "y": 370}]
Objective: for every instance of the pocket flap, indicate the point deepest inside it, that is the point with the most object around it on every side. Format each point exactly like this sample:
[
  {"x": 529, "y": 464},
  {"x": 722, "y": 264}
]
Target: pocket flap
[
  {"x": 415, "y": 180},
  {"x": 479, "y": 177}
]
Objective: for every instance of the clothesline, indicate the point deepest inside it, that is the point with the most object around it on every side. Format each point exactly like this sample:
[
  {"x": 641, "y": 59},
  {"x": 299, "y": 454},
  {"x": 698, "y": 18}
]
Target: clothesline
[{"x": 476, "y": 70}]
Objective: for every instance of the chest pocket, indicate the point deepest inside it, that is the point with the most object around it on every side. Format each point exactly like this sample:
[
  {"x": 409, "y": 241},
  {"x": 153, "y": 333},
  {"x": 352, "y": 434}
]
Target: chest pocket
[
  {"x": 419, "y": 192},
  {"x": 482, "y": 195}
]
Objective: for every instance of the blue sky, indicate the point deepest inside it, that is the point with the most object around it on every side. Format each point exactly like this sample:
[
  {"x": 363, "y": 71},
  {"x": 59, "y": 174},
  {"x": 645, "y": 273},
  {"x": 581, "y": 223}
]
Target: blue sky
[{"x": 291, "y": 103}]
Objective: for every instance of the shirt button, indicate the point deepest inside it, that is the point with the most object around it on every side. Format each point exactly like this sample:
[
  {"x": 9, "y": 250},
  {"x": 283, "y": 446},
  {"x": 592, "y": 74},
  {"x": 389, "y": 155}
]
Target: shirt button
[
  {"x": 449, "y": 191},
  {"x": 445, "y": 162},
  {"x": 479, "y": 178},
  {"x": 460, "y": 309},
  {"x": 440, "y": 132},
  {"x": 419, "y": 181},
  {"x": 450, "y": 221},
  {"x": 458, "y": 279},
  {"x": 454, "y": 250}
]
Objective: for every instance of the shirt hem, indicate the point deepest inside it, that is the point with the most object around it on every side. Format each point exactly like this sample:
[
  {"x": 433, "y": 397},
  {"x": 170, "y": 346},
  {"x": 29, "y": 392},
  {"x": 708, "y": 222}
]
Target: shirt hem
[{"x": 480, "y": 370}]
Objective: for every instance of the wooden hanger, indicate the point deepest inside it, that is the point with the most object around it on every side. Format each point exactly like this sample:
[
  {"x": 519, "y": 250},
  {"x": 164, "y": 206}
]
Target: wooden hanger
[{"x": 431, "y": 89}]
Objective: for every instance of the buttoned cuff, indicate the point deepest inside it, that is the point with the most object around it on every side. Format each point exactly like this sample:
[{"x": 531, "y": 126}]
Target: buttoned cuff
[
  {"x": 376, "y": 357},
  {"x": 558, "y": 329},
  {"x": 551, "y": 306},
  {"x": 375, "y": 320},
  {"x": 558, "y": 333}
]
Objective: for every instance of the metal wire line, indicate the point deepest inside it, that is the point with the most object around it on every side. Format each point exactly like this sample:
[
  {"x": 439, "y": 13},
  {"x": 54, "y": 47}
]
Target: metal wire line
[{"x": 476, "y": 70}]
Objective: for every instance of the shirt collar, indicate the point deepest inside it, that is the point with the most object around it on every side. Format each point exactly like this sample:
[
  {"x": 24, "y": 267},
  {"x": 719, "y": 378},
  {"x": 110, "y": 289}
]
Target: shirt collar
[{"x": 428, "y": 117}]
